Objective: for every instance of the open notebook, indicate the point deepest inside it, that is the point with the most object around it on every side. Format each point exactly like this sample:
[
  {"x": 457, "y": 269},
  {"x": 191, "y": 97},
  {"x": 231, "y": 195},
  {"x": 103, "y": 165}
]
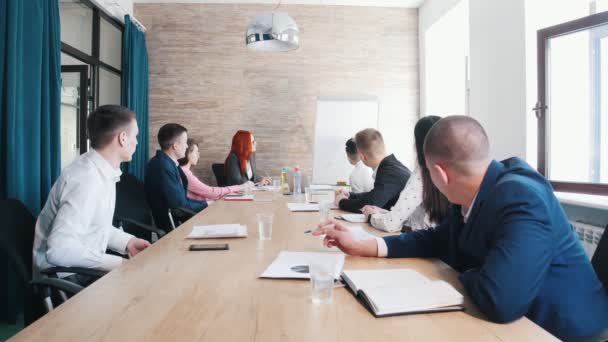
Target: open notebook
[
  {"x": 217, "y": 231},
  {"x": 391, "y": 292}
]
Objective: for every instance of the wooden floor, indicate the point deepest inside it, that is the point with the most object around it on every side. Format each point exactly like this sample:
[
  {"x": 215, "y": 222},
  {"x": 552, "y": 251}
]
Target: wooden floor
[{"x": 167, "y": 293}]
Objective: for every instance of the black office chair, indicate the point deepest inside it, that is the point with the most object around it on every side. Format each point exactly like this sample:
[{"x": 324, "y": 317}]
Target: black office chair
[
  {"x": 179, "y": 215},
  {"x": 132, "y": 212},
  {"x": 600, "y": 259},
  {"x": 218, "y": 171},
  {"x": 16, "y": 243}
]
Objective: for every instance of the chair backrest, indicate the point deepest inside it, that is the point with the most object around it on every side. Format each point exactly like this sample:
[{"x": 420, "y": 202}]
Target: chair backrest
[
  {"x": 218, "y": 171},
  {"x": 17, "y": 237},
  {"x": 600, "y": 259},
  {"x": 16, "y": 244},
  {"x": 131, "y": 203}
]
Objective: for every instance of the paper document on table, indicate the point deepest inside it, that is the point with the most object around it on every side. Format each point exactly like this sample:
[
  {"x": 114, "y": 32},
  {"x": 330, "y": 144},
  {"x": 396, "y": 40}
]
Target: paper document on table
[
  {"x": 355, "y": 218},
  {"x": 218, "y": 231},
  {"x": 306, "y": 206},
  {"x": 321, "y": 187},
  {"x": 238, "y": 198},
  {"x": 295, "y": 264},
  {"x": 303, "y": 206}
]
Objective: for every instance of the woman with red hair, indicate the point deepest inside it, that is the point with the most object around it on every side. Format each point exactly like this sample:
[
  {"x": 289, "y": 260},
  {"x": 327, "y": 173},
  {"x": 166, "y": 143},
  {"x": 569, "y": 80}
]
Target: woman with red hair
[{"x": 240, "y": 164}]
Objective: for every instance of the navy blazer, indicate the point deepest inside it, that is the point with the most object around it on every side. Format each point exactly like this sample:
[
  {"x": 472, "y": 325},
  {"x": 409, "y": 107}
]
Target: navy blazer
[
  {"x": 166, "y": 186},
  {"x": 391, "y": 177},
  {"x": 518, "y": 253}
]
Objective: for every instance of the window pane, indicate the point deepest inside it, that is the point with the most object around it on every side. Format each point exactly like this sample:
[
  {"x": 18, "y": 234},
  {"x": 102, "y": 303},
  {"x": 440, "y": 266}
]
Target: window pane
[
  {"x": 110, "y": 50},
  {"x": 69, "y": 60},
  {"x": 109, "y": 87},
  {"x": 70, "y": 107},
  {"x": 577, "y": 106},
  {"x": 76, "y": 25}
]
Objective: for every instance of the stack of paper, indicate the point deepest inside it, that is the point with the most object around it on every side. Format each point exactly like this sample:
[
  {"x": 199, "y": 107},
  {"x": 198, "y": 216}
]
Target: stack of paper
[
  {"x": 306, "y": 206},
  {"x": 238, "y": 198},
  {"x": 295, "y": 264},
  {"x": 401, "y": 291},
  {"x": 321, "y": 187},
  {"x": 218, "y": 231},
  {"x": 303, "y": 206}
]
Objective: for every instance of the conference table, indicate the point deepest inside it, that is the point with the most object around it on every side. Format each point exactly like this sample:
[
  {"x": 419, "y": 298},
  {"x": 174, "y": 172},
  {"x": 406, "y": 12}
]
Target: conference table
[{"x": 167, "y": 293}]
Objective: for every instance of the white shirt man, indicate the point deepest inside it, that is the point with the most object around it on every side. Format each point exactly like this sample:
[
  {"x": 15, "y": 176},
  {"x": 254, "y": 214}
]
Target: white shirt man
[
  {"x": 361, "y": 179},
  {"x": 75, "y": 227}
]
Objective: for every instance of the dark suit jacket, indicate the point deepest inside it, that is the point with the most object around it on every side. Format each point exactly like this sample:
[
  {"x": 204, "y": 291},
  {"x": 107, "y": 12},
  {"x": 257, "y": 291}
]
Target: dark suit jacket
[
  {"x": 234, "y": 176},
  {"x": 166, "y": 186},
  {"x": 391, "y": 177},
  {"x": 519, "y": 254}
]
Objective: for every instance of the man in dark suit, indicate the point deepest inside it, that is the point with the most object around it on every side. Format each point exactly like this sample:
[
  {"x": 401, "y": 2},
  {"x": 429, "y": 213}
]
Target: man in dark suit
[
  {"x": 166, "y": 184},
  {"x": 506, "y": 233},
  {"x": 390, "y": 175}
]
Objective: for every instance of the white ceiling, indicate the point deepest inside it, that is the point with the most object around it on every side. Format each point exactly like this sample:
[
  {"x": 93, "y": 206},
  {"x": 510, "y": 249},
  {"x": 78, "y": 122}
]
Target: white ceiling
[{"x": 369, "y": 3}]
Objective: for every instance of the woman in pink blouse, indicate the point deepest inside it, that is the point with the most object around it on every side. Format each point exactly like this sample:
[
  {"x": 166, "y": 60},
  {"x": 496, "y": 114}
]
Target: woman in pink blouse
[{"x": 198, "y": 190}]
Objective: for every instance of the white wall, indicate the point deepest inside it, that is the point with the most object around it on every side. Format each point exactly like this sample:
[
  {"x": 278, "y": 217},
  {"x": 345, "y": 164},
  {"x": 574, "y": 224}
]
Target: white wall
[
  {"x": 109, "y": 7},
  {"x": 428, "y": 14},
  {"x": 498, "y": 73}
]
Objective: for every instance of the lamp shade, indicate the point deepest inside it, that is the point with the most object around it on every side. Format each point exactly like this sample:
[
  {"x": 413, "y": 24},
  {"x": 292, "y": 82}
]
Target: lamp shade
[{"x": 273, "y": 31}]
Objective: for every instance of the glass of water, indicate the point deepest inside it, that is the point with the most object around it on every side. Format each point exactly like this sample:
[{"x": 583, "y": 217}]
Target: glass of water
[
  {"x": 324, "y": 209},
  {"x": 265, "y": 225},
  {"x": 322, "y": 281},
  {"x": 308, "y": 193},
  {"x": 276, "y": 188}
]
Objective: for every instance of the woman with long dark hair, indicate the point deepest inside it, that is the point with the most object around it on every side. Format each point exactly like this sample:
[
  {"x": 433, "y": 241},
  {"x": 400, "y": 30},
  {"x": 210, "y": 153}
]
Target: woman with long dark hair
[
  {"x": 240, "y": 164},
  {"x": 420, "y": 204}
]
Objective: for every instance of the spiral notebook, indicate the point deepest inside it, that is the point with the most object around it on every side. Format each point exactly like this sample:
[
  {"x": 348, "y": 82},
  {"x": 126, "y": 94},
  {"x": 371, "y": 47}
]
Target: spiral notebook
[{"x": 391, "y": 292}]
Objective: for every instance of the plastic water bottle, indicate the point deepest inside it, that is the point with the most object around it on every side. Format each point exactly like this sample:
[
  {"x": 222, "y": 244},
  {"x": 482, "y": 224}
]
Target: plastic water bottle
[
  {"x": 297, "y": 180},
  {"x": 284, "y": 183}
]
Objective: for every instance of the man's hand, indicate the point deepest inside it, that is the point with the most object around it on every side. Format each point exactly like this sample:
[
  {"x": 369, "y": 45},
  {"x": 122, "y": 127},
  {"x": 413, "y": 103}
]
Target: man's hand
[
  {"x": 336, "y": 234},
  {"x": 372, "y": 209},
  {"x": 136, "y": 245}
]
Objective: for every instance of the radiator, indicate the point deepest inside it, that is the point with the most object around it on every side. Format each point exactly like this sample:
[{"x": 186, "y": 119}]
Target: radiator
[{"x": 589, "y": 235}]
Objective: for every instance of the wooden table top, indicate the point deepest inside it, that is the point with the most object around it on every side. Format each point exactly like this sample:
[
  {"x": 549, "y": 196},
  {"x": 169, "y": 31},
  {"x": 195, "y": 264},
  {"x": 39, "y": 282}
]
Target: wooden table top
[{"x": 167, "y": 293}]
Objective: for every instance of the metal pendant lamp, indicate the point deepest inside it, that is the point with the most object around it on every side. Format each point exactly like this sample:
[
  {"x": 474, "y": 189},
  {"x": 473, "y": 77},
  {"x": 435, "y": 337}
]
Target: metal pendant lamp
[{"x": 274, "y": 32}]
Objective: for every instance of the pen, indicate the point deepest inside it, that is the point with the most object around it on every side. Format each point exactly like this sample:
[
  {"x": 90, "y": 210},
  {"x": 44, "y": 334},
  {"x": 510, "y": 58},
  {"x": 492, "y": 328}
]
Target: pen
[{"x": 329, "y": 226}]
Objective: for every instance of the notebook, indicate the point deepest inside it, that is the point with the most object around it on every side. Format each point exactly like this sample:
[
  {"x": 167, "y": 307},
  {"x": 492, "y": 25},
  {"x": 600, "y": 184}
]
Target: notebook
[
  {"x": 218, "y": 231},
  {"x": 355, "y": 218},
  {"x": 238, "y": 198},
  {"x": 294, "y": 265},
  {"x": 391, "y": 292}
]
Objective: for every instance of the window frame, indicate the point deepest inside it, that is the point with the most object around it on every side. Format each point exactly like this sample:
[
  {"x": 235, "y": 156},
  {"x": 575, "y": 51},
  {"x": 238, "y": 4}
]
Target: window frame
[
  {"x": 94, "y": 63},
  {"x": 543, "y": 37}
]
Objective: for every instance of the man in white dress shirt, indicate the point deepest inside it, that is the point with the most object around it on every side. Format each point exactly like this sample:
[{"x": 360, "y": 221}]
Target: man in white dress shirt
[
  {"x": 75, "y": 227},
  {"x": 360, "y": 179}
]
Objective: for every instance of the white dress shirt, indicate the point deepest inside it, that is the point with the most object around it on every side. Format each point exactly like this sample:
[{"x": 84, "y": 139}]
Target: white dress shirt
[
  {"x": 361, "y": 179},
  {"x": 75, "y": 228},
  {"x": 407, "y": 210}
]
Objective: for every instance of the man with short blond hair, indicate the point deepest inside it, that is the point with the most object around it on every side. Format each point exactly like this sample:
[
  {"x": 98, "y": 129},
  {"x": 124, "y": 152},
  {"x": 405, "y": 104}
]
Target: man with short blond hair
[{"x": 389, "y": 175}]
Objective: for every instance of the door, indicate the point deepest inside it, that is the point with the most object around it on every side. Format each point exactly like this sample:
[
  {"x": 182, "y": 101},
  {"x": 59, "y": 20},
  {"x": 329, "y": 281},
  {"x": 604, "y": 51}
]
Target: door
[{"x": 74, "y": 112}]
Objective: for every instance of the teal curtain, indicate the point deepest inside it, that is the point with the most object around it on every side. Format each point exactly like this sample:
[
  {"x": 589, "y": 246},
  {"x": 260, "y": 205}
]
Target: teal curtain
[
  {"x": 135, "y": 91},
  {"x": 30, "y": 100}
]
